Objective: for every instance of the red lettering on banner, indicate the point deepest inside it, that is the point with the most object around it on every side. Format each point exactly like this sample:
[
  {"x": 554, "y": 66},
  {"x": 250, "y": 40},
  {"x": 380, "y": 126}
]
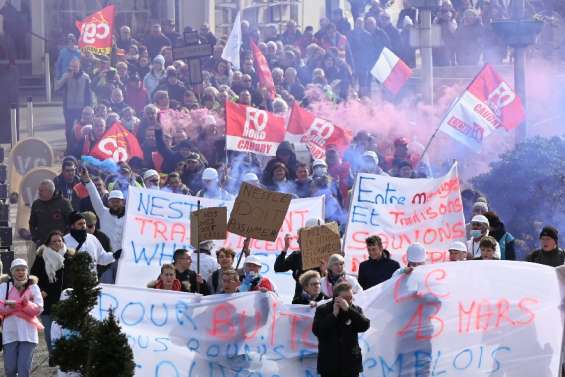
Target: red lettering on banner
[
  {"x": 483, "y": 315},
  {"x": 294, "y": 318},
  {"x": 438, "y": 275},
  {"x": 488, "y": 316},
  {"x": 180, "y": 230},
  {"x": 422, "y": 324},
  {"x": 522, "y": 305},
  {"x": 222, "y": 326},
  {"x": 243, "y": 330}
]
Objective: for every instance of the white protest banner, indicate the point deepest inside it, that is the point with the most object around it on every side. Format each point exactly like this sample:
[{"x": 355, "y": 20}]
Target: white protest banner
[
  {"x": 158, "y": 224},
  {"x": 402, "y": 211},
  {"x": 442, "y": 320}
]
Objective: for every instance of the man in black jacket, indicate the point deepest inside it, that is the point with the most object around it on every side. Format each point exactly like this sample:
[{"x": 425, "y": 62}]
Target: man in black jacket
[
  {"x": 337, "y": 325},
  {"x": 550, "y": 253},
  {"x": 379, "y": 267}
]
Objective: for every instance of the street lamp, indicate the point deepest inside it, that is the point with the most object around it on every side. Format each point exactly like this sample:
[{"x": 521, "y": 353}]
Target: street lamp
[{"x": 519, "y": 33}]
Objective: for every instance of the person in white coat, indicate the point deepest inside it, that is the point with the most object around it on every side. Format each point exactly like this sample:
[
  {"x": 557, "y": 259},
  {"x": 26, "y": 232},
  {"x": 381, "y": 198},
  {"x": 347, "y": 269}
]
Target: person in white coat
[
  {"x": 208, "y": 262},
  {"x": 337, "y": 274},
  {"x": 83, "y": 242},
  {"x": 479, "y": 228},
  {"x": 20, "y": 306},
  {"x": 112, "y": 220}
]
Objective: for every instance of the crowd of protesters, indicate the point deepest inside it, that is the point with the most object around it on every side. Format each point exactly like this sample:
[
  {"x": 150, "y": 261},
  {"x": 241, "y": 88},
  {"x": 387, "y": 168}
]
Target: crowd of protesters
[{"x": 82, "y": 210}]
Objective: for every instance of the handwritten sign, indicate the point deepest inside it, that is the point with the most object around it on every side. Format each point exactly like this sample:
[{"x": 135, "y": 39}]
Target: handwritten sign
[
  {"x": 504, "y": 329},
  {"x": 402, "y": 211},
  {"x": 208, "y": 224},
  {"x": 318, "y": 243},
  {"x": 258, "y": 213},
  {"x": 157, "y": 226},
  {"x": 28, "y": 154}
]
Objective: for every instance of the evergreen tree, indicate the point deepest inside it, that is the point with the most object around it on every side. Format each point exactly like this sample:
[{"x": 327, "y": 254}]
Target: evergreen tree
[
  {"x": 94, "y": 348},
  {"x": 109, "y": 353}
]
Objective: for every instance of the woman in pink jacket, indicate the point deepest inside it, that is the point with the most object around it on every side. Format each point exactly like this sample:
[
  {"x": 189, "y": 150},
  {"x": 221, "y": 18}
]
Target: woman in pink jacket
[{"x": 20, "y": 306}]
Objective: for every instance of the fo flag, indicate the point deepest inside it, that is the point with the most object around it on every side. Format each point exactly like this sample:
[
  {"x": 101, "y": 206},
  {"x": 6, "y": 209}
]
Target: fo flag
[
  {"x": 488, "y": 103},
  {"x": 253, "y": 130},
  {"x": 391, "y": 71},
  {"x": 118, "y": 144},
  {"x": 263, "y": 71},
  {"x": 96, "y": 31},
  {"x": 317, "y": 133}
]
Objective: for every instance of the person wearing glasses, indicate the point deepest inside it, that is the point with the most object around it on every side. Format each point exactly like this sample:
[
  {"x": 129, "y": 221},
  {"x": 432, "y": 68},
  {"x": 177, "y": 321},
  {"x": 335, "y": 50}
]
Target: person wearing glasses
[{"x": 312, "y": 289}]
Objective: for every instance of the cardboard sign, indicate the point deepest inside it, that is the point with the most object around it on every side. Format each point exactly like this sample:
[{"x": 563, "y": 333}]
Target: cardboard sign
[
  {"x": 258, "y": 213},
  {"x": 319, "y": 242},
  {"x": 208, "y": 224}
]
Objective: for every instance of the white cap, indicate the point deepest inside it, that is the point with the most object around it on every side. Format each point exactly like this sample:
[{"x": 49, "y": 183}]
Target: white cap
[
  {"x": 116, "y": 194},
  {"x": 481, "y": 219},
  {"x": 315, "y": 221},
  {"x": 210, "y": 174},
  {"x": 250, "y": 177},
  {"x": 18, "y": 262},
  {"x": 253, "y": 260},
  {"x": 206, "y": 245},
  {"x": 319, "y": 163},
  {"x": 150, "y": 173},
  {"x": 416, "y": 253},
  {"x": 373, "y": 155},
  {"x": 458, "y": 246}
]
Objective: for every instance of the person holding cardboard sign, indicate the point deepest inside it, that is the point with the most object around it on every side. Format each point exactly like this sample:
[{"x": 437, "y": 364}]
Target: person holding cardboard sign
[{"x": 293, "y": 262}]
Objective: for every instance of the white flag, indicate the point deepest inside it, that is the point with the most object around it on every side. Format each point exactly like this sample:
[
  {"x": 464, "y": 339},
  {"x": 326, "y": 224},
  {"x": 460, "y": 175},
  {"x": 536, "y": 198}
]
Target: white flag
[{"x": 233, "y": 45}]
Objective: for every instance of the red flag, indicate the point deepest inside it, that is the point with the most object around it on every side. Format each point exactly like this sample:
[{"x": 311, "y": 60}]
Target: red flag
[
  {"x": 96, "y": 31},
  {"x": 316, "y": 133},
  {"x": 263, "y": 71},
  {"x": 490, "y": 88},
  {"x": 252, "y": 130},
  {"x": 118, "y": 144}
]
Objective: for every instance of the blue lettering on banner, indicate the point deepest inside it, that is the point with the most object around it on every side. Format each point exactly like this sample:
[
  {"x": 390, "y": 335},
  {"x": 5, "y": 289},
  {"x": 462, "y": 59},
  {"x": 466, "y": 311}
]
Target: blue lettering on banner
[
  {"x": 359, "y": 215},
  {"x": 125, "y": 317},
  {"x": 388, "y": 197},
  {"x": 161, "y": 341},
  {"x": 462, "y": 365},
  {"x": 166, "y": 315},
  {"x": 162, "y": 250},
  {"x": 171, "y": 368},
  {"x": 493, "y": 355},
  {"x": 104, "y": 307},
  {"x": 163, "y": 207},
  {"x": 366, "y": 199}
]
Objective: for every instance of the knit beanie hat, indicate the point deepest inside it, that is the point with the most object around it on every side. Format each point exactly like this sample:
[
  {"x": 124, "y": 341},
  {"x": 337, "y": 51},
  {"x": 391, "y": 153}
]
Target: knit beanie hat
[{"x": 550, "y": 231}]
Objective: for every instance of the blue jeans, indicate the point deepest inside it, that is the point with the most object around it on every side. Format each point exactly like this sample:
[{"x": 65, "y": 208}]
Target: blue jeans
[
  {"x": 17, "y": 358},
  {"x": 47, "y": 320}
]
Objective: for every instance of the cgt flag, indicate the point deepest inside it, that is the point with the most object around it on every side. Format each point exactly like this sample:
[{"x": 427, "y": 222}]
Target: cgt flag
[
  {"x": 316, "y": 133},
  {"x": 487, "y": 104},
  {"x": 118, "y": 144},
  {"x": 96, "y": 31},
  {"x": 391, "y": 71},
  {"x": 253, "y": 130},
  {"x": 263, "y": 72}
]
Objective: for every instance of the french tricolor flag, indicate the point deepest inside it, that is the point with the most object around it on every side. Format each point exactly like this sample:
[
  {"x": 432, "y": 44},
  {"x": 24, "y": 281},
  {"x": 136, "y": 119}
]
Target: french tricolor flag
[{"x": 391, "y": 71}]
